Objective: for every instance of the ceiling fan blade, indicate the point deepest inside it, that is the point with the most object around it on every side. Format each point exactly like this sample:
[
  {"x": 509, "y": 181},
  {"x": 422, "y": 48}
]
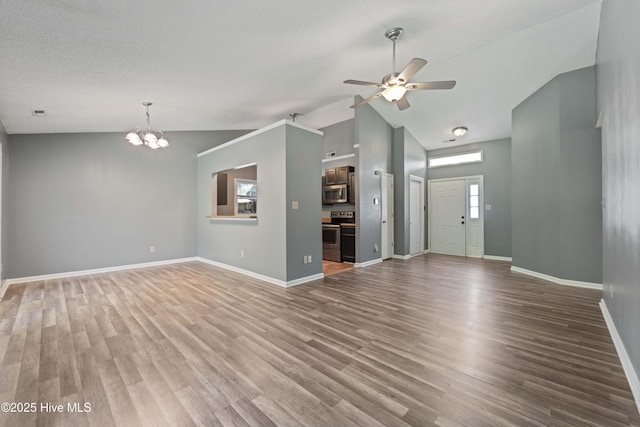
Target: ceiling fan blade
[
  {"x": 361, "y": 83},
  {"x": 369, "y": 99},
  {"x": 448, "y": 84},
  {"x": 412, "y": 67},
  {"x": 402, "y": 103}
]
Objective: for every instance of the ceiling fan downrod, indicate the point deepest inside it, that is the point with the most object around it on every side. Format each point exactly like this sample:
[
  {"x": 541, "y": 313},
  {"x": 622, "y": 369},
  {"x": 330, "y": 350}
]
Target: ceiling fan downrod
[{"x": 393, "y": 35}]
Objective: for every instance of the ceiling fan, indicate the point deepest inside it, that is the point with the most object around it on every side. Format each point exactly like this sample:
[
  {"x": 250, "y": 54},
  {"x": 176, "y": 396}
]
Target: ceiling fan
[{"x": 395, "y": 85}]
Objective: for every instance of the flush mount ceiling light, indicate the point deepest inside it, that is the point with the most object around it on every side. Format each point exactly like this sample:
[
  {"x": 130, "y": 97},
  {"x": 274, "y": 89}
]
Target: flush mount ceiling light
[
  {"x": 148, "y": 137},
  {"x": 460, "y": 131}
]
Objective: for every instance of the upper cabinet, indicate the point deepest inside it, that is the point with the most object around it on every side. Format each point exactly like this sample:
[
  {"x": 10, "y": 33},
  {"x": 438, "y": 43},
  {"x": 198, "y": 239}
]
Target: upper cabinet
[{"x": 338, "y": 175}]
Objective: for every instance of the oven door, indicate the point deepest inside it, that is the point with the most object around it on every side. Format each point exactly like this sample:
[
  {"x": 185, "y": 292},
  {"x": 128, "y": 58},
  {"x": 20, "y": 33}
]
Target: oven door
[
  {"x": 335, "y": 194},
  {"x": 331, "y": 242}
]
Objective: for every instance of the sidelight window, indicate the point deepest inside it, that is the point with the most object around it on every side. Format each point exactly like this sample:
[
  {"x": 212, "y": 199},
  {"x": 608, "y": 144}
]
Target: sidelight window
[{"x": 474, "y": 201}]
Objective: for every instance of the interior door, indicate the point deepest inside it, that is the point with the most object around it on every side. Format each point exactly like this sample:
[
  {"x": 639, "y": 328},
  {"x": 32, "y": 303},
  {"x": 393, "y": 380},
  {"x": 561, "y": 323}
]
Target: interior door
[
  {"x": 448, "y": 217},
  {"x": 386, "y": 223},
  {"x": 416, "y": 210}
]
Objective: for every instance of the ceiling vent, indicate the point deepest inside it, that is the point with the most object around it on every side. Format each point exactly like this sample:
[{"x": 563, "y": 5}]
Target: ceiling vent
[{"x": 39, "y": 113}]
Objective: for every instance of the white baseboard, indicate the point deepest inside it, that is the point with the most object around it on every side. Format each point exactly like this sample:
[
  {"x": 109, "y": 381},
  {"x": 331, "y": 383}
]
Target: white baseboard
[
  {"x": 625, "y": 360},
  {"x": 557, "y": 280},
  {"x": 368, "y": 263},
  {"x": 27, "y": 279},
  {"x": 497, "y": 258},
  {"x": 406, "y": 257},
  {"x": 3, "y": 287},
  {"x": 268, "y": 279}
]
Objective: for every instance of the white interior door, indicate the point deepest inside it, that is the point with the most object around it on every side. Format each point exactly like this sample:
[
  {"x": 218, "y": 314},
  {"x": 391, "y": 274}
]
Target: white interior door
[
  {"x": 448, "y": 216},
  {"x": 386, "y": 225},
  {"x": 416, "y": 215}
]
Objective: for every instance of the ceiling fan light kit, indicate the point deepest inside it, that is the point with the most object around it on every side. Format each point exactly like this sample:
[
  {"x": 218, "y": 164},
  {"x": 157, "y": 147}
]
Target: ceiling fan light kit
[
  {"x": 395, "y": 85},
  {"x": 460, "y": 131},
  {"x": 150, "y": 138}
]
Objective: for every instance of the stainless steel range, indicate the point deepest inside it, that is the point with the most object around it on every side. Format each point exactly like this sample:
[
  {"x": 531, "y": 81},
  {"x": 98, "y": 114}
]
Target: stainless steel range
[{"x": 338, "y": 238}]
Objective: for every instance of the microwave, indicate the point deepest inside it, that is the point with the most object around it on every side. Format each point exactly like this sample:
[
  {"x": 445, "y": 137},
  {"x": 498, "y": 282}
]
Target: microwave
[{"x": 338, "y": 193}]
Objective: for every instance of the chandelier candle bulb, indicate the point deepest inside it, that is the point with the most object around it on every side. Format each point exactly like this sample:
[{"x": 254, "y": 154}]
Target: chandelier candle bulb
[{"x": 150, "y": 138}]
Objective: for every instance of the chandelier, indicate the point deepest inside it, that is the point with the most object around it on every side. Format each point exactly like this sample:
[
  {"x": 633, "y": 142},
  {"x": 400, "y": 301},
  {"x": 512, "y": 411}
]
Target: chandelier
[{"x": 148, "y": 137}]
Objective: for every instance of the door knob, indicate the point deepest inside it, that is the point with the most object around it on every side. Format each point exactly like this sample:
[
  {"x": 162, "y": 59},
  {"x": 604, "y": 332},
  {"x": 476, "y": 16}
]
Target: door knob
[
  {"x": 462, "y": 217},
  {"x": 461, "y": 222}
]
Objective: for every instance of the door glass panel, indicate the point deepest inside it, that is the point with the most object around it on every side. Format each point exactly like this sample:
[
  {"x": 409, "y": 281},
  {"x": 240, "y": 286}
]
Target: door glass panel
[
  {"x": 474, "y": 213},
  {"x": 474, "y": 189},
  {"x": 474, "y": 201}
]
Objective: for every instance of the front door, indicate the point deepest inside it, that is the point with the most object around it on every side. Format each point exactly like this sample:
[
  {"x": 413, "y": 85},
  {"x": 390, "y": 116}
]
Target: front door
[{"x": 448, "y": 217}]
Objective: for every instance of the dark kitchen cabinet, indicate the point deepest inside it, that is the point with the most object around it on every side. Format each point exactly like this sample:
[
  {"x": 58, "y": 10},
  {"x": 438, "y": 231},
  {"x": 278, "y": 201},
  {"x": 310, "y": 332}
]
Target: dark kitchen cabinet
[
  {"x": 338, "y": 175},
  {"x": 352, "y": 188}
]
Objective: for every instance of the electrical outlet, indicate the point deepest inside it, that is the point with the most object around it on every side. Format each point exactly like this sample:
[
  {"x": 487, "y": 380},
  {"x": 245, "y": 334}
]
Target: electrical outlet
[
  {"x": 305, "y": 259},
  {"x": 242, "y": 254},
  {"x": 152, "y": 249},
  {"x": 309, "y": 259},
  {"x": 375, "y": 247}
]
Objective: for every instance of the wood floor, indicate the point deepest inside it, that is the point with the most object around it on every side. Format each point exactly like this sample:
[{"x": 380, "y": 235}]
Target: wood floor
[
  {"x": 329, "y": 268},
  {"x": 434, "y": 340}
]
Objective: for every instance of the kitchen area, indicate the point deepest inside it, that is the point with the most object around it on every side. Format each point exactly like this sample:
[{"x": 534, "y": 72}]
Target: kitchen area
[{"x": 338, "y": 219}]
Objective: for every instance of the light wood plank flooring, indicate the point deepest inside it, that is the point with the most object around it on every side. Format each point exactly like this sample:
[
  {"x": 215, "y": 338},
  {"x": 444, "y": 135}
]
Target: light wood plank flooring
[
  {"x": 434, "y": 340},
  {"x": 329, "y": 268}
]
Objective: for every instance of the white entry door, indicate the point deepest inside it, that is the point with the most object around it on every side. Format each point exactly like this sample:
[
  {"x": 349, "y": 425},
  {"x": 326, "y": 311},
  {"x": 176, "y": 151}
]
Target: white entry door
[
  {"x": 386, "y": 206},
  {"x": 448, "y": 217},
  {"x": 416, "y": 215}
]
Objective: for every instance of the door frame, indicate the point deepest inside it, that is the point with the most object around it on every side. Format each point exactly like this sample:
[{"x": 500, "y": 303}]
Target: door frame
[
  {"x": 391, "y": 222},
  {"x": 467, "y": 180},
  {"x": 420, "y": 181}
]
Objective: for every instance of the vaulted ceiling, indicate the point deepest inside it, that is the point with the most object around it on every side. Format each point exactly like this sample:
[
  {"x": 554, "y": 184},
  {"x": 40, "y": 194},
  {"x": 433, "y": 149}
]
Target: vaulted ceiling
[{"x": 241, "y": 64}]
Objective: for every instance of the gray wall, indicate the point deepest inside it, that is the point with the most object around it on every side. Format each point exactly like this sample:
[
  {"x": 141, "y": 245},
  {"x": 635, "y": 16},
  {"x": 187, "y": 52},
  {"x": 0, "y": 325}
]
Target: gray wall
[
  {"x": 304, "y": 225},
  {"x": 374, "y": 136},
  {"x": 409, "y": 158},
  {"x": 4, "y": 239},
  {"x": 556, "y": 180},
  {"x": 83, "y": 201},
  {"x": 618, "y": 80},
  {"x": 272, "y": 246},
  {"x": 496, "y": 169},
  {"x": 263, "y": 241}
]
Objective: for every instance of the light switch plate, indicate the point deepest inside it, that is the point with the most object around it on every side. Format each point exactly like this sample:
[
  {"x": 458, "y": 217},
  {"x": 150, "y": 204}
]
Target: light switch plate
[
  {"x": 487, "y": 207},
  {"x": 294, "y": 204}
]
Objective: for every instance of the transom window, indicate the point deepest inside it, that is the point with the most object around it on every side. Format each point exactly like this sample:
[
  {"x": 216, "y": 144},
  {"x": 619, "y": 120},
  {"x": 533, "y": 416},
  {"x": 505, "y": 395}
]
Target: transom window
[{"x": 456, "y": 159}]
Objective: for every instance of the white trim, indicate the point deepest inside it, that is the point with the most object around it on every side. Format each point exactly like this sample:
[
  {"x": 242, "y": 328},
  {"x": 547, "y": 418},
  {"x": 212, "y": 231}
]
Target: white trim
[
  {"x": 367, "y": 263},
  {"x": 95, "y": 271},
  {"x": 230, "y": 218},
  {"x": 268, "y": 279},
  {"x": 498, "y": 258},
  {"x": 346, "y": 156},
  {"x": 406, "y": 257},
  {"x": 421, "y": 181},
  {"x": 557, "y": 280},
  {"x": 306, "y": 279},
  {"x": 3, "y": 288},
  {"x": 625, "y": 360},
  {"x": 258, "y": 132}
]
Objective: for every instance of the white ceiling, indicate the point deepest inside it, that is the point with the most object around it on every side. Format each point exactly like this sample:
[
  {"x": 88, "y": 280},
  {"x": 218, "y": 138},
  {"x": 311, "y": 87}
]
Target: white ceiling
[{"x": 243, "y": 64}]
